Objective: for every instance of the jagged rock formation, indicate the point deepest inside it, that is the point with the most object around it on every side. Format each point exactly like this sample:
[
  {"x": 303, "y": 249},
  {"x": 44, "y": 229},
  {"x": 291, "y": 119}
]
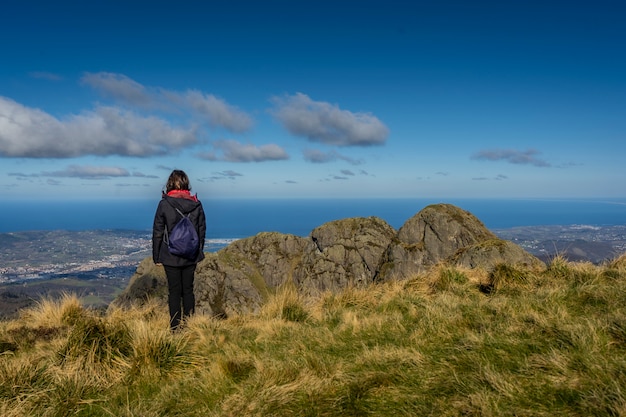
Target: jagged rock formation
[{"x": 341, "y": 253}]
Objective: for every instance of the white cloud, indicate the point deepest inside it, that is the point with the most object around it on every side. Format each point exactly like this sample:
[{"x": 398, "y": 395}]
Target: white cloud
[
  {"x": 217, "y": 111},
  {"x": 119, "y": 87},
  {"x": 214, "y": 111},
  {"x": 234, "y": 151},
  {"x": 326, "y": 123},
  {"x": 32, "y": 133}
]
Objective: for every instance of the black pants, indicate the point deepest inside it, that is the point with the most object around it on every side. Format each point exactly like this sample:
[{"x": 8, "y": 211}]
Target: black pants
[{"x": 180, "y": 286}]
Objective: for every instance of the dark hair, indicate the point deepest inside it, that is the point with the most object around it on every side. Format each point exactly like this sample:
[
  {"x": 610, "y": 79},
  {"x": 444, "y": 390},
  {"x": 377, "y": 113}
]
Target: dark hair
[{"x": 178, "y": 180}]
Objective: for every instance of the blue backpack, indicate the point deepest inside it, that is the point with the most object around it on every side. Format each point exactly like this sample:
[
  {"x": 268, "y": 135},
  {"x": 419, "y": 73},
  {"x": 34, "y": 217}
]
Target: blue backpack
[{"x": 183, "y": 239}]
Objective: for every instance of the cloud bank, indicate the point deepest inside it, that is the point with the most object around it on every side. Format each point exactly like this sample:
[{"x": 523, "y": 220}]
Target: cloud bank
[
  {"x": 31, "y": 133},
  {"x": 145, "y": 121}
]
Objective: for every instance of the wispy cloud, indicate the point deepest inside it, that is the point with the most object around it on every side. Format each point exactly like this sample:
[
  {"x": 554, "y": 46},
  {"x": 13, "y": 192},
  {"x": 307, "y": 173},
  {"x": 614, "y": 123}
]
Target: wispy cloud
[
  {"x": 142, "y": 175},
  {"x": 22, "y": 175},
  {"x": 120, "y": 87},
  {"x": 318, "y": 157},
  {"x": 213, "y": 110},
  {"x": 88, "y": 172},
  {"x": 498, "y": 177},
  {"x": 43, "y": 75},
  {"x": 233, "y": 151},
  {"x": 131, "y": 185},
  {"x": 528, "y": 157},
  {"x": 326, "y": 123},
  {"x": 217, "y": 111},
  {"x": 228, "y": 174}
]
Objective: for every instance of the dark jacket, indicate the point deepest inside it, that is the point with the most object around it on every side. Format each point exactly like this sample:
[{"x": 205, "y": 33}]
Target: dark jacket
[{"x": 167, "y": 216}]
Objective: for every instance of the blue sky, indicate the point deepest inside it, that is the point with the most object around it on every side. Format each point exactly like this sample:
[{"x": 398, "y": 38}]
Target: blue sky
[{"x": 417, "y": 99}]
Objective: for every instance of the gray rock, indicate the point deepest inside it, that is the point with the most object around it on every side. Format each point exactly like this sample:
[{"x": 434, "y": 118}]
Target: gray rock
[
  {"x": 148, "y": 281},
  {"x": 431, "y": 236},
  {"x": 489, "y": 253},
  {"x": 347, "y": 252}
]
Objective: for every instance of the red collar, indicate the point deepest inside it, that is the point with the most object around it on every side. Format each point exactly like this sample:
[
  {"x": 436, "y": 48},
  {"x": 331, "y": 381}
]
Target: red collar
[{"x": 182, "y": 194}]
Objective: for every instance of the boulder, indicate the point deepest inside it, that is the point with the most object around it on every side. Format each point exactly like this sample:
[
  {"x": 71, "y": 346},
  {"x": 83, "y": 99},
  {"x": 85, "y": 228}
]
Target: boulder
[
  {"x": 431, "y": 236},
  {"x": 489, "y": 253},
  {"x": 347, "y": 253}
]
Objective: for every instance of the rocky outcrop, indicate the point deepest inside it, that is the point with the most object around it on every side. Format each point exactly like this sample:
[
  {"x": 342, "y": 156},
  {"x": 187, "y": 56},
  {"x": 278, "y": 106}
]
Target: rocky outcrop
[{"x": 337, "y": 254}]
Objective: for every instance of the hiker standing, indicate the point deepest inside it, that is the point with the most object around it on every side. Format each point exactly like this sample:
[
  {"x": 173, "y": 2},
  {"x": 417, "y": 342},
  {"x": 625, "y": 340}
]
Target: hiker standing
[{"x": 176, "y": 202}]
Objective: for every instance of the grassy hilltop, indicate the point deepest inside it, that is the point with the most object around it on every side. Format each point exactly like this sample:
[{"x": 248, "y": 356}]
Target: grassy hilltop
[{"x": 450, "y": 342}]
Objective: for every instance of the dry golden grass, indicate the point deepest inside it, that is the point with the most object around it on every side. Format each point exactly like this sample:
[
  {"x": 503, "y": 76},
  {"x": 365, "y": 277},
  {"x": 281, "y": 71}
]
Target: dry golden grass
[{"x": 450, "y": 342}]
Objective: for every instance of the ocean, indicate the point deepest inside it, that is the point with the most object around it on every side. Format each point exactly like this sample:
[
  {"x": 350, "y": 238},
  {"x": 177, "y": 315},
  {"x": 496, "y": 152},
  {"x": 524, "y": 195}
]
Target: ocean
[{"x": 238, "y": 218}]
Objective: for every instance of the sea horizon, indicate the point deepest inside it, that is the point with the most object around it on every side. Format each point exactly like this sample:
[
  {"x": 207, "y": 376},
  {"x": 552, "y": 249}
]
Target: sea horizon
[{"x": 235, "y": 218}]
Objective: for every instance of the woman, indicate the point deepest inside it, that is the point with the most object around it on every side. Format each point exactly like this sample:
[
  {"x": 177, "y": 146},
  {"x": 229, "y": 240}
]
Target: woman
[{"x": 177, "y": 200}]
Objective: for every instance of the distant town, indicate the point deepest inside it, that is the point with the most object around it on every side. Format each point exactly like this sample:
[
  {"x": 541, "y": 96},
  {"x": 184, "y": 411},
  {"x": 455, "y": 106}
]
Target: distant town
[
  {"x": 91, "y": 254},
  {"x": 576, "y": 243}
]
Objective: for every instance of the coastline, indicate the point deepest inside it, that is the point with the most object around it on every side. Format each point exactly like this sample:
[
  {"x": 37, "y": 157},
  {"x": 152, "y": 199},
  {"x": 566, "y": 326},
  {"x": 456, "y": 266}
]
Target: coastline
[{"x": 236, "y": 218}]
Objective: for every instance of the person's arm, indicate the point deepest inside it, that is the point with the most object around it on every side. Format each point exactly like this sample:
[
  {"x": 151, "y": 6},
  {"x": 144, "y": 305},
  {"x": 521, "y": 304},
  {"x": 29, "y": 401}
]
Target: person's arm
[
  {"x": 158, "y": 228},
  {"x": 202, "y": 227}
]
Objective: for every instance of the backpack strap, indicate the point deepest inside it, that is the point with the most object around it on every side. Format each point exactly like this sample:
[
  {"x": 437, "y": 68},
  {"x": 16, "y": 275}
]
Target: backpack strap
[
  {"x": 166, "y": 237},
  {"x": 176, "y": 208}
]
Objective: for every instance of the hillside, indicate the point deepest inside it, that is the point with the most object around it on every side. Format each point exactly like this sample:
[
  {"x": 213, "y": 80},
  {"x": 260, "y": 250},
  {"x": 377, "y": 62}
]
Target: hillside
[{"x": 449, "y": 342}]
